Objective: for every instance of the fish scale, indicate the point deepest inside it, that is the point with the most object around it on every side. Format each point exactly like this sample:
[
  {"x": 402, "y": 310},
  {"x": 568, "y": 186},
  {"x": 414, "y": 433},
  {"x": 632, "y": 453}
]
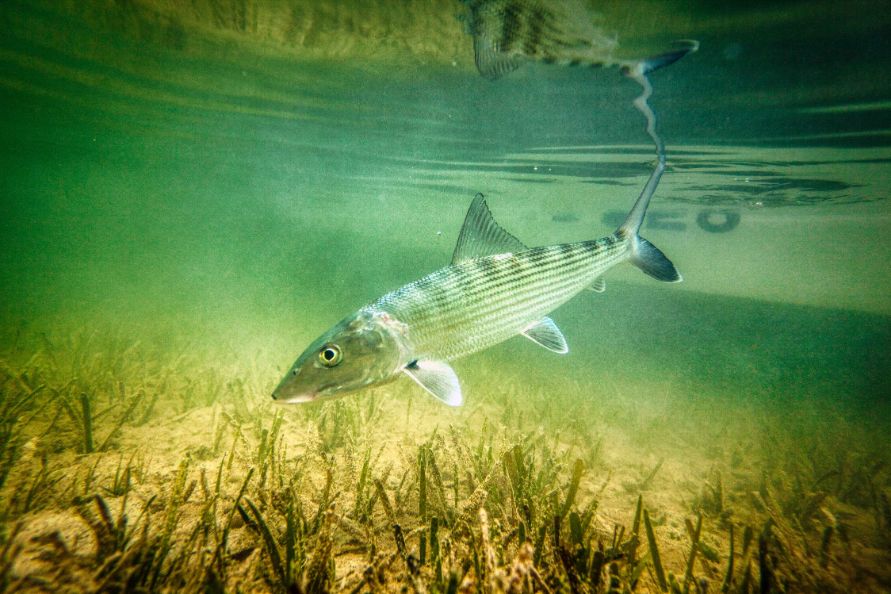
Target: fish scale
[{"x": 485, "y": 301}]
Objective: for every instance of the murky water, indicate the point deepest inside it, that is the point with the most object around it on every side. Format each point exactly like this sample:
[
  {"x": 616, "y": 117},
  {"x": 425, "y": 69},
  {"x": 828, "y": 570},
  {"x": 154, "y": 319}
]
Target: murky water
[{"x": 191, "y": 195}]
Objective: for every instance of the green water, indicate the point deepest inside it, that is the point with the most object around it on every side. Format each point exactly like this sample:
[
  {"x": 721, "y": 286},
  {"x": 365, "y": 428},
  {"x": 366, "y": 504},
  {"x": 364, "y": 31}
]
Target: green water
[
  {"x": 231, "y": 179},
  {"x": 221, "y": 184}
]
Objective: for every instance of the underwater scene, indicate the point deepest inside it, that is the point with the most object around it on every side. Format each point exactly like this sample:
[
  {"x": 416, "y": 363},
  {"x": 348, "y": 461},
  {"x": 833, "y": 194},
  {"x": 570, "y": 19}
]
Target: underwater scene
[{"x": 259, "y": 333}]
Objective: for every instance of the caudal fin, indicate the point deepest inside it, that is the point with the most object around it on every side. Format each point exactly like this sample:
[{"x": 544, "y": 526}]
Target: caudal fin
[
  {"x": 648, "y": 65},
  {"x": 644, "y": 254},
  {"x": 652, "y": 261}
]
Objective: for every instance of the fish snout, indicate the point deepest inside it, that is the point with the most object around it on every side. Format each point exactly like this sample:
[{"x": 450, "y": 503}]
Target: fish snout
[
  {"x": 284, "y": 392},
  {"x": 299, "y": 398}
]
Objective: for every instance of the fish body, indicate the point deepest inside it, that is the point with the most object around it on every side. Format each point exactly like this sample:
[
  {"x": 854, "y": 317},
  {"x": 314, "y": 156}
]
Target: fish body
[
  {"x": 507, "y": 33},
  {"x": 495, "y": 288},
  {"x": 476, "y": 303}
]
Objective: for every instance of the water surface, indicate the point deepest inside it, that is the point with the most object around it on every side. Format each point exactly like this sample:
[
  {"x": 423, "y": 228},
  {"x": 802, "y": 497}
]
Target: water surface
[{"x": 191, "y": 195}]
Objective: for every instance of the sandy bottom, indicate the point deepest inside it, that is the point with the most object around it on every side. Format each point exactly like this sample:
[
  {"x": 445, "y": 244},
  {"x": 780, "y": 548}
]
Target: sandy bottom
[{"x": 191, "y": 480}]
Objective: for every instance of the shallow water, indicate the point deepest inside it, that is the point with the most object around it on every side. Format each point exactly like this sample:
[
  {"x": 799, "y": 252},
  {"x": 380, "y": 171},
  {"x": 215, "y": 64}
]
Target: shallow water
[{"x": 191, "y": 195}]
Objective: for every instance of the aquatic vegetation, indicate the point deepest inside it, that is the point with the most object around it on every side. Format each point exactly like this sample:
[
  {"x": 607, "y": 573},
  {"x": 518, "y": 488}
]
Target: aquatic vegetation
[
  {"x": 16, "y": 398},
  {"x": 191, "y": 189},
  {"x": 355, "y": 495}
]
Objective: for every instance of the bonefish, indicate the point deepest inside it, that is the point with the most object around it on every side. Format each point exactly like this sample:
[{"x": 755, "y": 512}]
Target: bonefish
[{"x": 494, "y": 288}]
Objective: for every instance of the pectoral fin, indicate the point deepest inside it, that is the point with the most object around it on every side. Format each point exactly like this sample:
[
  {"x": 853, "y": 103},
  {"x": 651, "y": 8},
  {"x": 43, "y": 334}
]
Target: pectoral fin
[
  {"x": 438, "y": 378},
  {"x": 545, "y": 333}
]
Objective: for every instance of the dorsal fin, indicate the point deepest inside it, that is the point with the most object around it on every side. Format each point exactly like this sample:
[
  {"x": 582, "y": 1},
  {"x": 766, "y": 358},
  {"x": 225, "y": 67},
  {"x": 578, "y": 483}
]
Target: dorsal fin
[
  {"x": 482, "y": 236},
  {"x": 507, "y": 33},
  {"x": 490, "y": 62}
]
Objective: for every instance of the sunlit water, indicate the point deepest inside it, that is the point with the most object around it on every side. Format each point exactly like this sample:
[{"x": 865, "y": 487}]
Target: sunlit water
[
  {"x": 230, "y": 185},
  {"x": 269, "y": 195}
]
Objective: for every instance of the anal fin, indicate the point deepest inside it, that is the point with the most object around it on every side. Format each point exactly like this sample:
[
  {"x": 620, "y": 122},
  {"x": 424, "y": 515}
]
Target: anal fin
[
  {"x": 598, "y": 286},
  {"x": 545, "y": 333},
  {"x": 438, "y": 378}
]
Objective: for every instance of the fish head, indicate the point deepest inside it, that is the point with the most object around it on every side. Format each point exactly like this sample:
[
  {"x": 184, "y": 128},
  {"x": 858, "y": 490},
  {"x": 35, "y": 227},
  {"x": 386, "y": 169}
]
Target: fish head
[{"x": 362, "y": 350}]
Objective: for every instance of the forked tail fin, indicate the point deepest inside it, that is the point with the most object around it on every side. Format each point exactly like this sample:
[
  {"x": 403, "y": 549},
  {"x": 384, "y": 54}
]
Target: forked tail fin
[
  {"x": 652, "y": 261},
  {"x": 648, "y": 65},
  {"x": 644, "y": 254}
]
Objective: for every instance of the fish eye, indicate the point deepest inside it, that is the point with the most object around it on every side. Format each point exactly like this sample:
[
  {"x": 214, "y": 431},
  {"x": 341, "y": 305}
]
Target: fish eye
[{"x": 330, "y": 355}]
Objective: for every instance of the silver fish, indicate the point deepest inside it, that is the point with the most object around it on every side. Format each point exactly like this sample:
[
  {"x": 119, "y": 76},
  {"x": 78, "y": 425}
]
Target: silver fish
[
  {"x": 507, "y": 33},
  {"x": 494, "y": 288}
]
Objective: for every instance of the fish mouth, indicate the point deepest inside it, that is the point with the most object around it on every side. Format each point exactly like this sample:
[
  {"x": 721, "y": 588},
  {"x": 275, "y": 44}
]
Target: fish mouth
[
  {"x": 295, "y": 399},
  {"x": 323, "y": 392}
]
